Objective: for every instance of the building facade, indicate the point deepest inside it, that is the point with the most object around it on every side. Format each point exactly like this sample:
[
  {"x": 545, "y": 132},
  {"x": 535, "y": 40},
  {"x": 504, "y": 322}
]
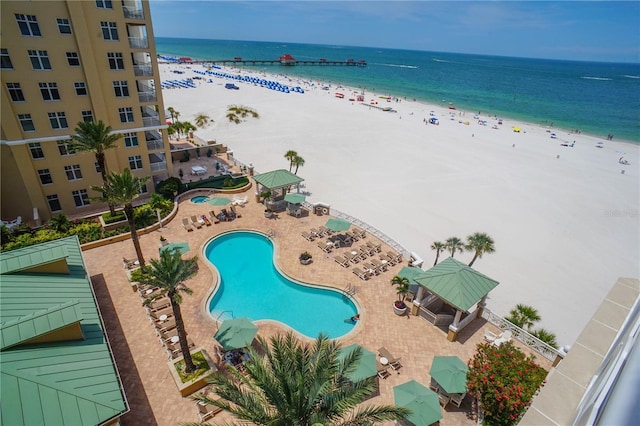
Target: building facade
[{"x": 66, "y": 61}]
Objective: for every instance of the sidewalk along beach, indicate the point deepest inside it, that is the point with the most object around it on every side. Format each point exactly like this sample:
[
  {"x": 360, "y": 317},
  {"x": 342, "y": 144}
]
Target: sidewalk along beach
[{"x": 562, "y": 207}]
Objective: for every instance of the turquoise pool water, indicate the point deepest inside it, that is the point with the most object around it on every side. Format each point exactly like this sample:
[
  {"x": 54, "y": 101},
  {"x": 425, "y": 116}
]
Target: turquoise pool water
[
  {"x": 252, "y": 287},
  {"x": 199, "y": 199}
]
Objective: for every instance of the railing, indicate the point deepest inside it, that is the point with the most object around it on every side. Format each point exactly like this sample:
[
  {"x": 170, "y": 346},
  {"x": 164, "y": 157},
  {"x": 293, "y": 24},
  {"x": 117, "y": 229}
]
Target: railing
[
  {"x": 151, "y": 120},
  {"x": 147, "y": 96},
  {"x": 143, "y": 70},
  {"x": 133, "y": 13},
  {"x": 522, "y": 336},
  {"x": 138, "y": 42},
  {"x": 154, "y": 144},
  {"x": 159, "y": 167}
]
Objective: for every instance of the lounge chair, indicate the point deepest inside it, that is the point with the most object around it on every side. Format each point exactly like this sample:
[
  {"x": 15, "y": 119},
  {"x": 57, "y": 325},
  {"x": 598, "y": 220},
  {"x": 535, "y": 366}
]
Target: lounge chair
[
  {"x": 213, "y": 217},
  {"x": 325, "y": 247},
  {"x": 360, "y": 273},
  {"x": 325, "y": 231},
  {"x": 395, "y": 257},
  {"x": 155, "y": 316},
  {"x": 195, "y": 222},
  {"x": 380, "y": 267},
  {"x": 351, "y": 235},
  {"x": 186, "y": 224},
  {"x": 159, "y": 304},
  {"x": 343, "y": 261},
  {"x": 235, "y": 213},
  {"x": 489, "y": 335},
  {"x": 205, "y": 220},
  {"x": 365, "y": 249},
  {"x": 503, "y": 338},
  {"x": 129, "y": 263},
  {"x": 307, "y": 236},
  {"x": 393, "y": 361},
  {"x": 207, "y": 411},
  {"x": 383, "y": 371},
  {"x": 360, "y": 233},
  {"x": 174, "y": 350},
  {"x": 165, "y": 326},
  {"x": 315, "y": 232},
  {"x": 354, "y": 258},
  {"x": 237, "y": 201},
  {"x": 374, "y": 247},
  {"x": 370, "y": 268}
]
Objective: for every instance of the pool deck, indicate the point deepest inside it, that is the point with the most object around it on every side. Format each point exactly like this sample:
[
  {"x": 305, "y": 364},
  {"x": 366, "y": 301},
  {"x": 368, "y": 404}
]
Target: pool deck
[{"x": 142, "y": 362}]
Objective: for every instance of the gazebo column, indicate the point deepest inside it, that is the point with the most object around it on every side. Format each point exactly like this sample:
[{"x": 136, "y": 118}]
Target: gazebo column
[
  {"x": 481, "y": 304},
  {"x": 415, "y": 306},
  {"x": 453, "y": 328}
]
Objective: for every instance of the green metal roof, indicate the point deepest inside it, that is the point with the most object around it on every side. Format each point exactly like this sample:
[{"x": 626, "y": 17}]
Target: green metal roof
[
  {"x": 277, "y": 179},
  {"x": 456, "y": 283},
  {"x": 60, "y": 382},
  {"x": 18, "y": 260}
]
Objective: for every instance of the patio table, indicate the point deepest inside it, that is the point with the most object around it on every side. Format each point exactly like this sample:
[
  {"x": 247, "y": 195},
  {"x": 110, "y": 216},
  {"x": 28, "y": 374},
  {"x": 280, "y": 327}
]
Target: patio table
[{"x": 198, "y": 170}]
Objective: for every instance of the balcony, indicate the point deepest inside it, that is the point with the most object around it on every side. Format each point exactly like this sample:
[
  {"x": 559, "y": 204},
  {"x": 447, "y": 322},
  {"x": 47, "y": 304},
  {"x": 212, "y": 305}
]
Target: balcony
[
  {"x": 159, "y": 166},
  {"x": 138, "y": 42},
  {"x": 133, "y": 12},
  {"x": 155, "y": 144},
  {"x": 150, "y": 120},
  {"x": 143, "y": 70},
  {"x": 158, "y": 162},
  {"x": 147, "y": 96}
]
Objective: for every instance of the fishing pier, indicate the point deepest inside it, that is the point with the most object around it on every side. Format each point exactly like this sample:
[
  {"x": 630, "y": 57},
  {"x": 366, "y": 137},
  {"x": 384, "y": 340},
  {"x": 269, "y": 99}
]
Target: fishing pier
[{"x": 286, "y": 60}]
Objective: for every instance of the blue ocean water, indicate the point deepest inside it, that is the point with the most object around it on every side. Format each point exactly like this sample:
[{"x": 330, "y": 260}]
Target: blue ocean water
[{"x": 594, "y": 97}]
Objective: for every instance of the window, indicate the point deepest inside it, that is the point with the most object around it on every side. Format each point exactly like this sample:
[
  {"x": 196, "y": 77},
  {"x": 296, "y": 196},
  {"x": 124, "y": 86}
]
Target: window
[
  {"x": 63, "y": 26},
  {"x": 58, "y": 120},
  {"x": 39, "y": 59},
  {"x": 54, "y": 203},
  {"x": 45, "y": 176},
  {"x": 36, "y": 150},
  {"x": 109, "y": 30},
  {"x": 143, "y": 188},
  {"x": 49, "y": 91},
  {"x": 73, "y": 59},
  {"x": 135, "y": 162},
  {"x": 126, "y": 115},
  {"x": 130, "y": 140},
  {"x": 81, "y": 198},
  {"x": 121, "y": 88},
  {"x": 28, "y": 25},
  {"x": 104, "y": 4},
  {"x": 15, "y": 91},
  {"x": 73, "y": 172},
  {"x": 81, "y": 88},
  {"x": 27, "y": 123},
  {"x": 5, "y": 60},
  {"x": 65, "y": 147},
  {"x": 87, "y": 115},
  {"x": 97, "y": 166},
  {"x": 115, "y": 61}
]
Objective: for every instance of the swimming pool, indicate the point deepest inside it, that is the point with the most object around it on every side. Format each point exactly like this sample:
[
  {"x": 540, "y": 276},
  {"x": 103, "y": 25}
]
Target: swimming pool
[
  {"x": 199, "y": 199},
  {"x": 251, "y": 286}
]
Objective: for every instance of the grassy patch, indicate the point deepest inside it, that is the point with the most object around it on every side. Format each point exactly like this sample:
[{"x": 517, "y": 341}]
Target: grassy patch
[{"x": 201, "y": 367}]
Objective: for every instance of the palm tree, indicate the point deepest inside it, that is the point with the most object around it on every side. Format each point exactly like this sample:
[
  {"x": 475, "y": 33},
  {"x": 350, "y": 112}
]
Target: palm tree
[
  {"x": 96, "y": 137},
  {"x": 298, "y": 161},
  {"x": 169, "y": 274},
  {"x": 402, "y": 290},
  {"x": 290, "y": 155},
  {"x": 202, "y": 119},
  {"x": 454, "y": 244},
  {"x": 188, "y": 127},
  {"x": 298, "y": 383},
  {"x": 546, "y": 336},
  {"x": 480, "y": 243},
  {"x": 438, "y": 247},
  {"x": 122, "y": 189},
  {"x": 172, "y": 111},
  {"x": 60, "y": 223},
  {"x": 523, "y": 316}
]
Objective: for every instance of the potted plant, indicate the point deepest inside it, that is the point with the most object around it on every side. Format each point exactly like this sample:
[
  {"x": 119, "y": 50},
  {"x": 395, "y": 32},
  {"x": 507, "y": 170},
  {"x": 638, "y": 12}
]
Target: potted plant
[
  {"x": 209, "y": 153},
  {"x": 180, "y": 173},
  {"x": 305, "y": 258},
  {"x": 268, "y": 213},
  {"x": 163, "y": 240},
  {"x": 399, "y": 307}
]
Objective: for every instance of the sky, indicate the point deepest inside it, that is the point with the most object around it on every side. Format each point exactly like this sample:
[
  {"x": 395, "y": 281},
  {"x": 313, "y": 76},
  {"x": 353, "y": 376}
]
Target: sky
[{"x": 606, "y": 31}]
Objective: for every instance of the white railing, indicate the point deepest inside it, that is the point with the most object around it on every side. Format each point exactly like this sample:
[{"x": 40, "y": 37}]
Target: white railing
[
  {"x": 138, "y": 42},
  {"x": 155, "y": 144},
  {"x": 133, "y": 13},
  {"x": 142, "y": 70},
  {"x": 522, "y": 336},
  {"x": 151, "y": 121},
  {"x": 159, "y": 167},
  {"x": 147, "y": 96}
]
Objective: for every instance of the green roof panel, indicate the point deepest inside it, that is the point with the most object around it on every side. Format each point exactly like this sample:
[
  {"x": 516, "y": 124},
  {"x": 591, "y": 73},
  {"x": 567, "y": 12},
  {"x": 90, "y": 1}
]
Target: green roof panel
[
  {"x": 28, "y": 257},
  {"x": 277, "y": 179}
]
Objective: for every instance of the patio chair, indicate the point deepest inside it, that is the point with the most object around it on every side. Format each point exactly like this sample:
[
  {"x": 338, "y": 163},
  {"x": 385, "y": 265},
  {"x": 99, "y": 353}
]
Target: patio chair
[
  {"x": 315, "y": 232},
  {"x": 213, "y": 217},
  {"x": 186, "y": 224},
  {"x": 503, "y": 338},
  {"x": 353, "y": 258},
  {"x": 360, "y": 233},
  {"x": 360, "y": 273},
  {"x": 343, "y": 261},
  {"x": 155, "y": 316},
  {"x": 195, "y": 222},
  {"x": 165, "y": 326},
  {"x": 370, "y": 268},
  {"x": 374, "y": 247},
  {"x": 396, "y": 257},
  {"x": 489, "y": 336},
  {"x": 325, "y": 247},
  {"x": 159, "y": 304},
  {"x": 365, "y": 249},
  {"x": 207, "y": 411},
  {"x": 129, "y": 263},
  {"x": 325, "y": 231},
  {"x": 351, "y": 235},
  {"x": 237, "y": 201},
  {"x": 393, "y": 361},
  {"x": 307, "y": 236},
  {"x": 383, "y": 371},
  {"x": 380, "y": 267},
  {"x": 174, "y": 350},
  {"x": 444, "y": 399},
  {"x": 233, "y": 210},
  {"x": 456, "y": 399}
]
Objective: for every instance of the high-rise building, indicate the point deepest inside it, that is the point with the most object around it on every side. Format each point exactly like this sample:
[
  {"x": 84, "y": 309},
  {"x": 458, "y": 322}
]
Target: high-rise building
[{"x": 66, "y": 61}]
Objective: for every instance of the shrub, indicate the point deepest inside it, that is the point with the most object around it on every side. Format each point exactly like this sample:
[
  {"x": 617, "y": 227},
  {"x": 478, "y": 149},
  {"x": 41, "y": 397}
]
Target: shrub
[
  {"x": 504, "y": 380},
  {"x": 168, "y": 187},
  {"x": 115, "y": 218}
]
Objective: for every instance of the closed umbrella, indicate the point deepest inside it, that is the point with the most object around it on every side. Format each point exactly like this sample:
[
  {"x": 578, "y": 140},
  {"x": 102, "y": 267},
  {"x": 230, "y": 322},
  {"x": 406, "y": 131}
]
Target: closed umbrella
[
  {"x": 236, "y": 333},
  {"x": 367, "y": 366},
  {"x": 450, "y": 372},
  {"x": 337, "y": 224},
  {"x": 181, "y": 247},
  {"x": 294, "y": 198},
  {"x": 219, "y": 201},
  {"x": 423, "y": 403}
]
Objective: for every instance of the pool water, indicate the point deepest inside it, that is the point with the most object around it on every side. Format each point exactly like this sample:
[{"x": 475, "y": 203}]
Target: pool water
[
  {"x": 251, "y": 286},
  {"x": 199, "y": 199}
]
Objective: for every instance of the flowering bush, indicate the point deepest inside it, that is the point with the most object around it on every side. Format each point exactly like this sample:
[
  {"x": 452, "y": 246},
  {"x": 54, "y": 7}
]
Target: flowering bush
[{"x": 504, "y": 380}]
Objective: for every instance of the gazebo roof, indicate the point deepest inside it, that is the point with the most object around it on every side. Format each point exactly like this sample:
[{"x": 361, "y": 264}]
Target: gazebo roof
[
  {"x": 456, "y": 283},
  {"x": 277, "y": 179}
]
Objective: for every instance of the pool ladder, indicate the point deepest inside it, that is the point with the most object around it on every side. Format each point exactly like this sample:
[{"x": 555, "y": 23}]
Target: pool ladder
[
  {"x": 349, "y": 290},
  {"x": 271, "y": 233}
]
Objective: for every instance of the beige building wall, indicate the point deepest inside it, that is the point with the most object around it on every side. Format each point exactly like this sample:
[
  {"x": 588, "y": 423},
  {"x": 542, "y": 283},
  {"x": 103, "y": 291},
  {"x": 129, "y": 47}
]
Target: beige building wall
[{"x": 38, "y": 170}]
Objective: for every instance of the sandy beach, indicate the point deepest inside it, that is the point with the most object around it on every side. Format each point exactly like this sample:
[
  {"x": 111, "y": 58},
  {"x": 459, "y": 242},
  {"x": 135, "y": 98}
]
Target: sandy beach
[{"x": 565, "y": 219}]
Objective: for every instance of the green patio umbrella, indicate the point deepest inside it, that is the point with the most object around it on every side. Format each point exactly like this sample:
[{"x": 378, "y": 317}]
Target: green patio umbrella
[
  {"x": 450, "y": 372},
  {"x": 422, "y": 401},
  {"x": 337, "y": 224},
  {"x": 367, "y": 366},
  {"x": 219, "y": 201},
  {"x": 236, "y": 333},
  {"x": 294, "y": 198},
  {"x": 181, "y": 247}
]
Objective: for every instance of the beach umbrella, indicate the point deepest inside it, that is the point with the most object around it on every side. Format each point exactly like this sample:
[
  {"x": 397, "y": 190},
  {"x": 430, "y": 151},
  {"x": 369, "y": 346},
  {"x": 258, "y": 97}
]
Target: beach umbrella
[
  {"x": 367, "y": 366},
  {"x": 219, "y": 201},
  {"x": 294, "y": 198},
  {"x": 181, "y": 247},
  {"x": 236, "y": 333},
  {"x": 423, "y": 402},
  {"x": 337, "y": 224},
  {"x": 450, "y": 372}
]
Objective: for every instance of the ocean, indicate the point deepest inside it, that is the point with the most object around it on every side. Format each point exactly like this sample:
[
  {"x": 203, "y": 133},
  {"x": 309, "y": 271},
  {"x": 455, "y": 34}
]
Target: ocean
[{"x": 595, "y": 98}]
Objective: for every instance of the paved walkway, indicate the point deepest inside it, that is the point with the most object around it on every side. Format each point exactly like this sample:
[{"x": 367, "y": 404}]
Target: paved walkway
[{"x": 151, "y": 392}]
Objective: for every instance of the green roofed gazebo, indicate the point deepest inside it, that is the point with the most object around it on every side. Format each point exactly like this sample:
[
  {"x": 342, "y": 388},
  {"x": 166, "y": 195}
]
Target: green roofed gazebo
[
  {"x": 459, "y": 286},
  {"x": 277, "y": 179}
]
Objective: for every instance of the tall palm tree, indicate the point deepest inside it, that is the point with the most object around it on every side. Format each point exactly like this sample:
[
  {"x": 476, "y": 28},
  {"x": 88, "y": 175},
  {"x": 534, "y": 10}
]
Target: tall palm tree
[
  {"x": 480, "y": 243},
  {"x": 454, "y": 244},
  {"x": 438, "y": 247},
  {"x": 523, "y": 316},
  {"x": 290, "y": 155},
  {"x": 169, "y": 274},
  {"x": 96, "y": 137},
  {"x": 298, "y": 161},
  {"x": 202, "y": 119},
  {"x": 174, "y": 114},
  {"x": 122, "y": 189},
  {"x": 299, "y": 383}
]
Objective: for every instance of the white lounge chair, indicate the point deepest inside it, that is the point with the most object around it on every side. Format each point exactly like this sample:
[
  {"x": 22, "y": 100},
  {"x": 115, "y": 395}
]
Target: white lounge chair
[
  {"x": 237, "y": 201},
  {"x": 503, "y": 338}
]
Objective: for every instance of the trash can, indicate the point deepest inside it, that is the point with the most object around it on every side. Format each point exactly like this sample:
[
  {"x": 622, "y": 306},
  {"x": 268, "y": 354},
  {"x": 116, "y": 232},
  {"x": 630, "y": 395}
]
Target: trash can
[{"x": 318, "y": 210}]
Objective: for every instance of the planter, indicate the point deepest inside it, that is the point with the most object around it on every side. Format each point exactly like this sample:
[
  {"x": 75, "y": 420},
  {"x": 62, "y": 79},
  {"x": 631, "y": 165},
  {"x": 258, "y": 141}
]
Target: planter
[
  {"x": 189, "y": 387},
  {"x": 268, "y": 214},
  {"x": 305, "y": 261},
  {"x": 399, "y": 311}
]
